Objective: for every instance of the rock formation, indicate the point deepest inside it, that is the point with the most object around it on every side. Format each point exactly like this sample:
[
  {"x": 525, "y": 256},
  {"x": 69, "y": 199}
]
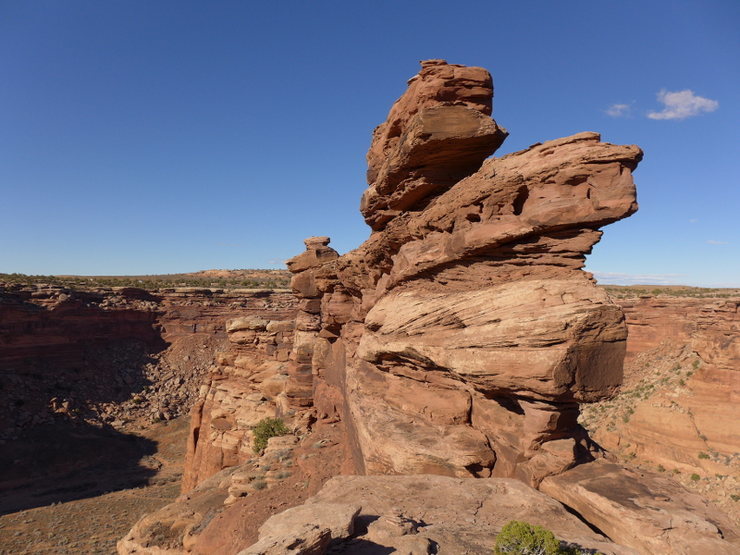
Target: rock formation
[
  {"x": 460, "y": 337},
  {"x": 458, "y": 341},
  {"x": 418, "y": 514},
  {"x": 243, "y": 389},
  {"x": 709, "y": 332},
  {"x": 113, "y": 355}
]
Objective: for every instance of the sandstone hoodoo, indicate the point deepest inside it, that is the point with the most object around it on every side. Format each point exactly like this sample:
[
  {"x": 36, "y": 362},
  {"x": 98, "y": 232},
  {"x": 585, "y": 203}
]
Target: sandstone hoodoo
[
  {"x": 460, "y": 337},
  {"x": 459, "y": 340}
]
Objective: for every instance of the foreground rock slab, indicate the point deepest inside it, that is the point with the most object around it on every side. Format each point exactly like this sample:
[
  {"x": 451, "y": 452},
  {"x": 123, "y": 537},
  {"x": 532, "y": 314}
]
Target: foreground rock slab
[
  {"x": 648, "y": 512},
  {"x": 418, "y": 514}
]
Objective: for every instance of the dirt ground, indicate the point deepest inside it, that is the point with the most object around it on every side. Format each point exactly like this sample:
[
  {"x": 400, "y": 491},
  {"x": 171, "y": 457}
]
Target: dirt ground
[{"x": 95, "y": 520}]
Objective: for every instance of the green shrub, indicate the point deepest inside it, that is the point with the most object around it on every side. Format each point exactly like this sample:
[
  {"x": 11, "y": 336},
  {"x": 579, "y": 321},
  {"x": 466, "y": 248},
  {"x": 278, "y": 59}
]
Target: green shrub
[
  {"x": 695, "y": 477},
  {"x": 265, "y": 429},
  {"x": 522, "y": 538},
  {"x": 703, "y": 455}
]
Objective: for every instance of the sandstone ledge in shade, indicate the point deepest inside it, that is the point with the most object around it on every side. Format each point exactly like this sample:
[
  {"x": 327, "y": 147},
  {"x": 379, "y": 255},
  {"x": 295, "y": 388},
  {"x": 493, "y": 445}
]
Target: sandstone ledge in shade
[
  {"x": 423, "y": 514},
  {"x": 648, "y": 512}
]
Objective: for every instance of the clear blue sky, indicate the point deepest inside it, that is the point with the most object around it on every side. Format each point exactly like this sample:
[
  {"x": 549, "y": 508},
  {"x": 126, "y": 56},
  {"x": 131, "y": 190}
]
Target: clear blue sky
[{"x": 167, "y": 136}]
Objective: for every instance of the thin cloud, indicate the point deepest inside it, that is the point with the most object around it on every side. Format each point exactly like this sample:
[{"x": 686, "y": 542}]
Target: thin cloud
[
  {"x": 276, "y": 261},
  {"x": 619, "y": 278},
  {"x": 713, "y": 242},
  {"x": 682, "y": 104},
  {"x": 694, "y": 220},
  {"x": 618, "y": 110}
]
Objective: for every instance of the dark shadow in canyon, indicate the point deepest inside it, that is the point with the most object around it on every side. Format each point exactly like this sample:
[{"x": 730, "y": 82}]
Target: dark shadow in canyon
[
  {"x": 64, "y": 461},
  {"x": 58, "y": 363}
]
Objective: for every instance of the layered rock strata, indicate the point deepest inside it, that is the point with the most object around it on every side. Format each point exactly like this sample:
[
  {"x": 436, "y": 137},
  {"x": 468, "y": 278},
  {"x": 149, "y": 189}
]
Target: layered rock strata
[
  {"x": 113, "y": 355},
  {"x": 458, "y": 340},
  {"x": 700, "y": 414},
  {"x": 460, "y": 337},
  {"x": 677, "y": 410},
  {"x": 246, "y": 386}
]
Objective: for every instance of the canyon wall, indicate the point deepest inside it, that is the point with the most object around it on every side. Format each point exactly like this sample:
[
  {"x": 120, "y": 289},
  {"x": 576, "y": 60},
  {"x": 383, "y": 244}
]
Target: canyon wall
[
  {"x": 112, "y": 356},
  {"x": 677, "y": 409},
  {"x": 246, "y": 386}
]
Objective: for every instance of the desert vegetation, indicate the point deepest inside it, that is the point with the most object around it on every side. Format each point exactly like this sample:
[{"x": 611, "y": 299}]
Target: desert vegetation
[
  {"x": 221, "y": 279},
  {"x": 634, "y": 291}
]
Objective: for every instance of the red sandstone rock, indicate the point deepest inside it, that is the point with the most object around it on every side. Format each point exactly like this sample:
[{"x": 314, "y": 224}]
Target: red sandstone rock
[
  {"x": 437, "y": 133},
  {"x": 121, "y": 354},
  {"x": 469, "y": 290},
  {"x": 460, "y": 337},
  {"x": 648, "y": 512},
  {"x": 422, "y": 514},
  {"x": 246, "y": 388},
  {"x": 678, "y": 407}
]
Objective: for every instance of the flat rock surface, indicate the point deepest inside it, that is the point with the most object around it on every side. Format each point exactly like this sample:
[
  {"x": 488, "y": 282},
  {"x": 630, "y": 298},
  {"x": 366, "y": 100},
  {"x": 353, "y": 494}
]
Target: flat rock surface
[
  {"x": 650, "y": 513},
  {"x": 429, "y": 514}
]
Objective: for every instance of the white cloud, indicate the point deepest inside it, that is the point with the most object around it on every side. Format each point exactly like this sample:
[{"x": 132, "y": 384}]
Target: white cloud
[
  {"x": 619, "y": 278},
  {"x": 694, "y": 220},
  {"x": 682, "y": 104},
  {"x": 618, "y": 110},
  {"x": 713, "y": 242}
]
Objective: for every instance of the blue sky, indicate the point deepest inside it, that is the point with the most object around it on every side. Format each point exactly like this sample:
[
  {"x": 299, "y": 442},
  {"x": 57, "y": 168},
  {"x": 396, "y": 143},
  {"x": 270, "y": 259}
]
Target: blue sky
[{"x": 161, "y": 137}]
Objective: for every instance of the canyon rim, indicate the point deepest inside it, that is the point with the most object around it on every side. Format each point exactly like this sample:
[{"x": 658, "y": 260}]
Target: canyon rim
[
  {"x": 432, "y": 382},
  {"x": 449, "y": 352}
]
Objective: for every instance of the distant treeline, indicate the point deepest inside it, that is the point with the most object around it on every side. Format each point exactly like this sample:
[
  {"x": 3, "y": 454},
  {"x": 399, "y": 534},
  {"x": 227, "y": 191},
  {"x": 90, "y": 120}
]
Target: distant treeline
[
  {"x": 258, "y": 279},
  {"x": 626, "y": 291}
]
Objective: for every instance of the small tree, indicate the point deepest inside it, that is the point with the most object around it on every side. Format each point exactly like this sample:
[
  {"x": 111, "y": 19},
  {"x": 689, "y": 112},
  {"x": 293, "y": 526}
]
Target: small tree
[
  {"x": 265, "y": 429},
  {"x": 522, "y": 538}
]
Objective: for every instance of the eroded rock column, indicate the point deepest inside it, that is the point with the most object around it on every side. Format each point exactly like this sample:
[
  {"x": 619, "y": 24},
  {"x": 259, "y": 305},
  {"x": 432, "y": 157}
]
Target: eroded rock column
[
  {"x": 308, "y": 320},
  {"x": 461, "y": 336}
]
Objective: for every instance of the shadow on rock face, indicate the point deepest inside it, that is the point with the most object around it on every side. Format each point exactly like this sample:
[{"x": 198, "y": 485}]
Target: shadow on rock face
[{"x": 66, "y": 461}]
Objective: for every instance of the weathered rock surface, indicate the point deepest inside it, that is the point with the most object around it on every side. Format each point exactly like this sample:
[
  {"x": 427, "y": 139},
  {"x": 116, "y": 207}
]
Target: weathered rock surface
[
  {"x": 418, "y": 514},
  {"x": 650, "y": 513},
  {"x": 112, "y": 355},
  {"x": 457, "y": 341},
  {"x": 436, "y": 134},
  {"x": 305, "y": 529},
  {"x": 460, "y": 337},
  {"x": 246, "y": 387},
  {"x": 223, "y": 513},
  {"x": 677, "y": 410}
]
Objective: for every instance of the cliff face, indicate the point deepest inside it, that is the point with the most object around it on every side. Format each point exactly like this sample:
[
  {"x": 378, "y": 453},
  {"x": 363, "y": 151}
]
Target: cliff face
[
  {"x": 245, "y": 387},
  {"x": 112, "y": 355},
  {"x": 460, "y": 337},
  {"x": 678, "y": 407}
]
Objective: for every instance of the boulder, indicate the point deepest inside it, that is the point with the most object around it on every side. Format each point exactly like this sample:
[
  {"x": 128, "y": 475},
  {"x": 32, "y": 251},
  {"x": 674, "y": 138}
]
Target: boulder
[{"x": 648, "y": 512}]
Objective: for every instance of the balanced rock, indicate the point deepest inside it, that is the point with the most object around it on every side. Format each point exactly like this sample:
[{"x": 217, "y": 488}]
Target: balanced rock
[{"x": 461, "y": 336}]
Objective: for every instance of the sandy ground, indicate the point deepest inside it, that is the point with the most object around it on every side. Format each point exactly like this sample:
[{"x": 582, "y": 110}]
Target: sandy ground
[{"x": 94, "y": 524}]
